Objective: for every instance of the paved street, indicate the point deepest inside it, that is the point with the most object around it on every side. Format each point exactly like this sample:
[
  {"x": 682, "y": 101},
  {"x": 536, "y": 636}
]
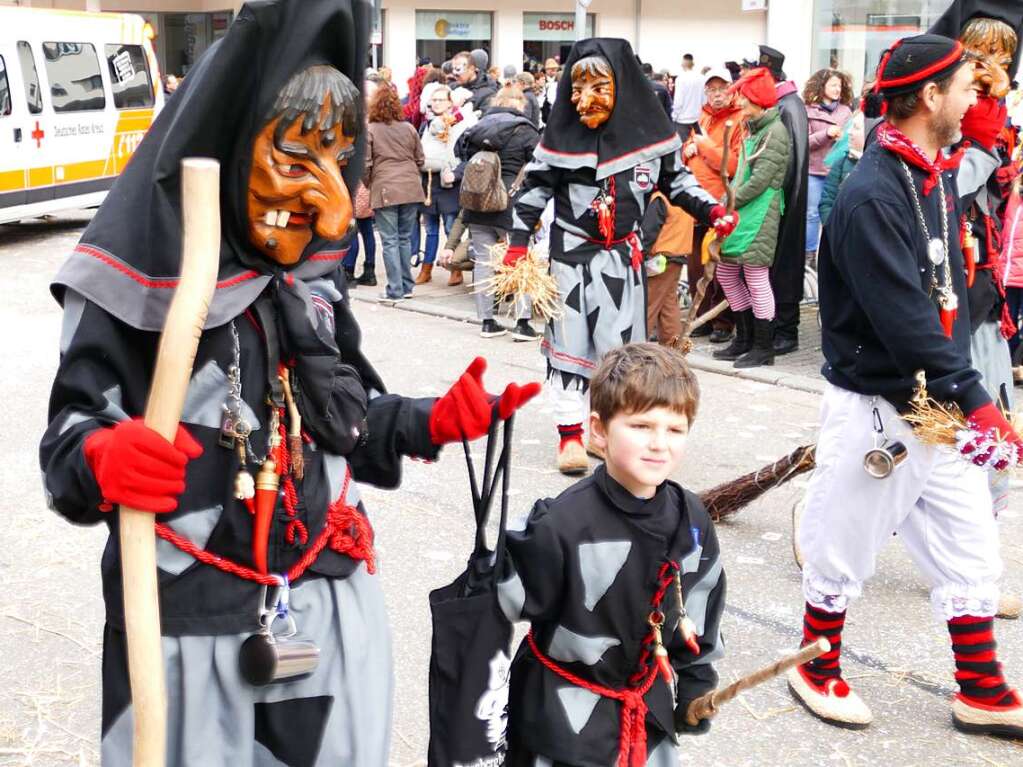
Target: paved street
[{"x": 896, "y": 655}]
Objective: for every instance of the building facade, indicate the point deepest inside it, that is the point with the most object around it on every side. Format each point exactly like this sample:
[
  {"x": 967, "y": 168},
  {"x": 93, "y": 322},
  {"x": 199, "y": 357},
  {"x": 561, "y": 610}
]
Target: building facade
[{"x": 847, "y": 34}]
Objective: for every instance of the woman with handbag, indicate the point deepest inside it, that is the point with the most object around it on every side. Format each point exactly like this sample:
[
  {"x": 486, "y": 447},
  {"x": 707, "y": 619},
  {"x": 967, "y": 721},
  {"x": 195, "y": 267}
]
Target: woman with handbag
[
  {"x": 505, "y": 131},
  {"x": 364, "y": 222},
  {"x": 439, "y": 135}
]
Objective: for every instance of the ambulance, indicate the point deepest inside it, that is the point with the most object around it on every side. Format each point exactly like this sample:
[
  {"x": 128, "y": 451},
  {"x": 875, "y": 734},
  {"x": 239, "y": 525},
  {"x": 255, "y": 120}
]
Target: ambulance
[{"x": 77, "y": 93}]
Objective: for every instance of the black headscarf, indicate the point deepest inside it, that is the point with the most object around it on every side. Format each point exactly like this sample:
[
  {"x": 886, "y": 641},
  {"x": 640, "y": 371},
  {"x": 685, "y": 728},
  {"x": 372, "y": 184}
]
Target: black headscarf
[
  {"x": 129, "y": 257},
  {"x": 637, "y": 130},
  {"x": 952, "y": 21}
]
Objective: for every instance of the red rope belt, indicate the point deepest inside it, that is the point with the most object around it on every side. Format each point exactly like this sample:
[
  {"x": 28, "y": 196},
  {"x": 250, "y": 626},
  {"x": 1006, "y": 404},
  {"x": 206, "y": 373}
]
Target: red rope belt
[
  {"x": 632, "y": 735},
  {"x": 346, "y": 531},
  {"x": 635, "y": 249}
]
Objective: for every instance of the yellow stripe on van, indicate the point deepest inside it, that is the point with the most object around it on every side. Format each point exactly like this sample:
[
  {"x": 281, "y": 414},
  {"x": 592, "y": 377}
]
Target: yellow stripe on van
[
  {"x": 12, "y": 180},
  {"x": 40, "y": 177}
]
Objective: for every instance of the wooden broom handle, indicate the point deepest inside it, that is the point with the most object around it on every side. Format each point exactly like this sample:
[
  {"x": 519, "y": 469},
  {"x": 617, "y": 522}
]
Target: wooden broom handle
[
  {"x": 707, "y": 705},
  {"x": 200, "y": 203}
]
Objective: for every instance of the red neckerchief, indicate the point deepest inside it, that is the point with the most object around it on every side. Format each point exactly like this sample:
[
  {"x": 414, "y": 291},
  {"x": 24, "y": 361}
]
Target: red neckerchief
[{"x": 896, "y": 142}]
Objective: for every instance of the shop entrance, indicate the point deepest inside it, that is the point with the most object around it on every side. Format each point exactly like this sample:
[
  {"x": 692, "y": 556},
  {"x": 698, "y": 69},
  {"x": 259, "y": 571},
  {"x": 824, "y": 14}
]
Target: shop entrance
[
  {"x": 549, "y": 36},
  {"x": 442, "y": 34}
]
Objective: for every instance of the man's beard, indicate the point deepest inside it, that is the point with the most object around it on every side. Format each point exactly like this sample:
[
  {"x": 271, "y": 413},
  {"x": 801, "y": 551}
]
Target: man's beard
[{"x": 945, "y": 128}]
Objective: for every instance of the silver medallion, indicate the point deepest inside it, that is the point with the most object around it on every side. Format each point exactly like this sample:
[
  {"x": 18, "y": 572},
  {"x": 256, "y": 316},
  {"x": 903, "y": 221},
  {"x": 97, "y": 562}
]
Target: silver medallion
[{"x": 936, "y": 251}]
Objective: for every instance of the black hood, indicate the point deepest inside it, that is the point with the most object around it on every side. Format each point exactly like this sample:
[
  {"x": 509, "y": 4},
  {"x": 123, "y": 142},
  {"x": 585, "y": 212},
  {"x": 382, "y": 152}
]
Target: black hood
[
  {"x": 638, "y": 129},
  {"x": 128, "y": 259},
  {"x": 952, "y": 21}
]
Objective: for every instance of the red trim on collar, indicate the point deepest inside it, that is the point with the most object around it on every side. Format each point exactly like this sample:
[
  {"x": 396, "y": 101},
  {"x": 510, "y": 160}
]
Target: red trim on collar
[{"x": 144, "y": 280}]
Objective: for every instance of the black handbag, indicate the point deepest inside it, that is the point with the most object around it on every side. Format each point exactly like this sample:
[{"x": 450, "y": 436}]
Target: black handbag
[{"x": 470, "y": 661}]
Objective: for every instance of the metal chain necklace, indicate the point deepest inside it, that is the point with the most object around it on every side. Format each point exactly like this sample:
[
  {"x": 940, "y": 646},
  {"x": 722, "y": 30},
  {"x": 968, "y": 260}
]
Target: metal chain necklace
[{"x": 937, "y": 250}]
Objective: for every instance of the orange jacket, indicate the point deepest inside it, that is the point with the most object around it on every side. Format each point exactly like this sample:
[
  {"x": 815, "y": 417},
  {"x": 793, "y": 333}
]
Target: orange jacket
[{"x": 706, "y": 163}]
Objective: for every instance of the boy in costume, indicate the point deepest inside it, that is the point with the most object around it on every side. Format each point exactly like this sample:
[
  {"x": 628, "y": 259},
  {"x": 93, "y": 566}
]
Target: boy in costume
[
  {"x": 622, "y": 581},
  {"x": 280, "y": 389},
  {"x": 607, "y": 146},
  {"x": 893, "y": 302}
]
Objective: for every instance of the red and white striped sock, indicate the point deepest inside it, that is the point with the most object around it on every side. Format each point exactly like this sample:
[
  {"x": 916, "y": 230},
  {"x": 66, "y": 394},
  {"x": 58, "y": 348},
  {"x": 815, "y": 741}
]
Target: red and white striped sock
[
  {"x": 572, "y": 432},
  {"x": 978, "y": 672},
  {"x": 821, "y": 671}
]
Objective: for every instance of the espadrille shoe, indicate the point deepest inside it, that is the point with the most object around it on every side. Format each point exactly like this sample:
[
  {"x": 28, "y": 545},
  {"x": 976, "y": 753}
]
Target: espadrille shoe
[
  {"x": 593, "y": 450},
  {"x": 976, "y": 718},
  {"x": 572, "y": 458},
  {"x": 1009, "y": 606},
  {"x": 835, "y": 703}
]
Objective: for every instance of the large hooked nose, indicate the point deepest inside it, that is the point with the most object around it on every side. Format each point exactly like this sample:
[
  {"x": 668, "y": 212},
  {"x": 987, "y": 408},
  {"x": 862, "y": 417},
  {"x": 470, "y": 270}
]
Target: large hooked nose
[{"x": 332, "y": 203}]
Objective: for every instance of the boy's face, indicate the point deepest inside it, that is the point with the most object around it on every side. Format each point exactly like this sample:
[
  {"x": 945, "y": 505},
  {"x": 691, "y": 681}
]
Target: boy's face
[{"x": 641, "y": 449}]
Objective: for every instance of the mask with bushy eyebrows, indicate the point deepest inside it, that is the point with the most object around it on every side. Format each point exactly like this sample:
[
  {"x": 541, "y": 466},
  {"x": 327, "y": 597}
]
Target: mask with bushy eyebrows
[
  {"x": 994, "y": 43},
  {"x": 296, "y": 187}
]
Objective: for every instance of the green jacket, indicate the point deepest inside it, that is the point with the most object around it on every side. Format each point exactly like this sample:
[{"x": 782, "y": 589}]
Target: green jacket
[{"x": 759, "y": 199}]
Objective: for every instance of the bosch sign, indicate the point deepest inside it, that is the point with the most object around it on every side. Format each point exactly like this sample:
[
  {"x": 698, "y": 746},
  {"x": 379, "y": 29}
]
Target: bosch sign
[{"x": 556, "y": 25}]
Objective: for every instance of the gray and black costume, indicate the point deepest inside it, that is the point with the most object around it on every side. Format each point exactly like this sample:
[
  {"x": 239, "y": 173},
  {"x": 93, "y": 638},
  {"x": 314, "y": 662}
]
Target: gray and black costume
[
  {"x": 583, "y": 569},
  {"x": 620, "y": 163},
  {"x": 115, "y": 289}
]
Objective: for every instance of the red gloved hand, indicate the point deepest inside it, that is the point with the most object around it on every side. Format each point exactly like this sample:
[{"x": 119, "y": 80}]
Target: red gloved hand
[
  {"x": 984, "y": 121},
  {"x": 514, "y": 254},
  {"x": 465, "y": 411},
  {"x": 136, "y": 467},
  {"x": 991, "y": 440},
  {"x": 724, "y": 223}
]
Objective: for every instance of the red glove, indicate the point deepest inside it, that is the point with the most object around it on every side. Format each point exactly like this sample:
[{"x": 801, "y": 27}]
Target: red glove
[
  {"x": 991, "y": 440},
  {"x": 465, "y": 411},
  {"x": 514, "y": 254},
  {"x": 984, "y": 121},
  {"x": 724, "y": 223},
  {"x": 135, "y": 466}
]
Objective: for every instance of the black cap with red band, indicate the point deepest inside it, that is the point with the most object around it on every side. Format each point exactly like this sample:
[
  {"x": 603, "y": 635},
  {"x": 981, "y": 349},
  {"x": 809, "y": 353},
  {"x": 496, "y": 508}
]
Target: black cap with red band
[{"x": 909, "y": 64}]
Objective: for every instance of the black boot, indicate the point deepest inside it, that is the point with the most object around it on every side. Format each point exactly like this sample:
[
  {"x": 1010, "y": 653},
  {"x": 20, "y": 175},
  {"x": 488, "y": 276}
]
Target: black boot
[
  {"x": 743, "y": 340},
  {"x": 762, "y": 352}
]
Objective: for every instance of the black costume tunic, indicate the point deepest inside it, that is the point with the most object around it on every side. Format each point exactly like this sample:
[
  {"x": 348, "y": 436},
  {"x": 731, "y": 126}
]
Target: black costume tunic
[
  {"x": 584, "y": 569},
  {"x": 880, "y": 323}
]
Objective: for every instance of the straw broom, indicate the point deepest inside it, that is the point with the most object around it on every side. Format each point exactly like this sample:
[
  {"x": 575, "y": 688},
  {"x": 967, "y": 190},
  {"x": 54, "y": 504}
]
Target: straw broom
[
  {"x": 728, "y": 498},
  {"x": 529, "y": 277}
]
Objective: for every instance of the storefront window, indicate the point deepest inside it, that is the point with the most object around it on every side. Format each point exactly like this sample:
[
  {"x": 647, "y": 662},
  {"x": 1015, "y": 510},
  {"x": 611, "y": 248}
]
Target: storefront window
[
  {"x": 549, "y": 35},
  {"x": 442, "y": 34},
  {"x": 851, "y": 35}
]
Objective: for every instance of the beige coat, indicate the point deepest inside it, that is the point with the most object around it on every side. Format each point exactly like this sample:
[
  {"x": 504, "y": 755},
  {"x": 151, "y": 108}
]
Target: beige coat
[{"x": 394, "y": 156}]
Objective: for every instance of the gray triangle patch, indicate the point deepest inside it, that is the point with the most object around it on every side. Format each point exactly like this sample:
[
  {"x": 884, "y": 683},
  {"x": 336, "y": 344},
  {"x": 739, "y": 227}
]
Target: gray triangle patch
[
  {"x": 578, "y": 704},
  {"x": 599, "y": 565}
]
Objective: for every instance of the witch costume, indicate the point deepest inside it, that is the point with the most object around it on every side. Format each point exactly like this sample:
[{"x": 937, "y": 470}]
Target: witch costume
[
  {"x": 587, "y": 569},
  {"x": 600, "y": 180},
  {"x": 279, "y": 386}
]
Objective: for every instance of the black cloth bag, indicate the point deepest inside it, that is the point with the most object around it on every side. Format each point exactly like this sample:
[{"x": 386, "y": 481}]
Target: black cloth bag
[{"x": 470, "y": 659}]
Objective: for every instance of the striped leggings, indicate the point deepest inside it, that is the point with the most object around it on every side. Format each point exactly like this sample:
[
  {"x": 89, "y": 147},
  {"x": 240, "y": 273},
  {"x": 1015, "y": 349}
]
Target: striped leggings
[{"x": 747, "y": 286}]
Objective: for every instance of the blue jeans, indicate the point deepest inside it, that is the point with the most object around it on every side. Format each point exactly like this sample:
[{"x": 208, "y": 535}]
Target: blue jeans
[
  {"x": 813, "y": 217},
  {"x": 432, "y": 222},
  {"x": 395, "y": 223},
  {"x": 369, "y": 243}
]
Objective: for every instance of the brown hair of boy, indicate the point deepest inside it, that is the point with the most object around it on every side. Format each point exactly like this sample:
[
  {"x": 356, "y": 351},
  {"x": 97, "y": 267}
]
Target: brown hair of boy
[{"x": 638, "y": 377}]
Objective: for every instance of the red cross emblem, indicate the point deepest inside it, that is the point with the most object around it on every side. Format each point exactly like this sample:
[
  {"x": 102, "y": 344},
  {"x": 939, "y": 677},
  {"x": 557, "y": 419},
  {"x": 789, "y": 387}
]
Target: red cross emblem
[{"x": 38, "y": 134}]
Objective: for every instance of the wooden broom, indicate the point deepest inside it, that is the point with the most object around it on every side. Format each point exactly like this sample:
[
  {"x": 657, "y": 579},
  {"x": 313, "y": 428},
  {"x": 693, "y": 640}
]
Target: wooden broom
[{"x": 200, "y": 203}]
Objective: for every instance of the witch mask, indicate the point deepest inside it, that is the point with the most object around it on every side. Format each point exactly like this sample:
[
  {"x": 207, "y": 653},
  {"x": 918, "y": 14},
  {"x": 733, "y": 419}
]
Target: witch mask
[
  {"x": 994, "y": 43},
  {"x": 593, "y": 90},
  {"x": 296, "y": 188}
]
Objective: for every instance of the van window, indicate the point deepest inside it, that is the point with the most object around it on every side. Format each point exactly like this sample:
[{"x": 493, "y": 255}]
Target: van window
[
  {"x": 76, "y": 84},
  {"x": 33, "y": 92},
  {"x": 5, "y": 90},
  {"x": 129, "y": 76}
]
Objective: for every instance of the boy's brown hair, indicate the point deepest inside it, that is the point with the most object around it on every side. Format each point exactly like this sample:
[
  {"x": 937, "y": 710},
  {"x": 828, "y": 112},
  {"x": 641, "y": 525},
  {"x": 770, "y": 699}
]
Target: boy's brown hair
[{"x": 638, "y": 377}]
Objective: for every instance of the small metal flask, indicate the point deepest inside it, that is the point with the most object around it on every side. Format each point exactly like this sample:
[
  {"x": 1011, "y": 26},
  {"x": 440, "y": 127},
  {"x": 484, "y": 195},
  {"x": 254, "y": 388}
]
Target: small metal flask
[
  {"x": 268, "y": 656},
  {"x": 886, "y": 455},
  {"x": 882, "y": 460}
]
